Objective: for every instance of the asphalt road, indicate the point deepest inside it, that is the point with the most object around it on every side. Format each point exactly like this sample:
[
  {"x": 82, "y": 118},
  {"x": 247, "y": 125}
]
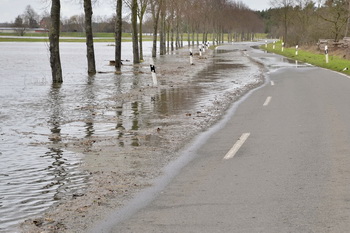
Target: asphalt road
[{"x": 291, "y": 173}]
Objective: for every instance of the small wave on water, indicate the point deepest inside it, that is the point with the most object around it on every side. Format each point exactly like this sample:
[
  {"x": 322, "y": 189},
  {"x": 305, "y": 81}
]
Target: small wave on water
[{"x": 36, "y": 179}]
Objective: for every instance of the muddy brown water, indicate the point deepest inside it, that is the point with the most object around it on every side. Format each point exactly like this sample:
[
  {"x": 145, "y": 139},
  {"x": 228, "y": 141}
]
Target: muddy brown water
[{"x": 36, "y": 115}]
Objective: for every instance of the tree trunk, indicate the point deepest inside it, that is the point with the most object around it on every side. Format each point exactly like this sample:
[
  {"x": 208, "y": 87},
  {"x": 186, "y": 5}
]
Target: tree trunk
[
  {"x": 177, "y": 31},
  {"x": 285, "y": 39},
  {"x": 182, "y": 40},
  {"x": 118, "y": 36},
  {"x": 172, "y": 38},
  {"x": 155, "y": 16},
  {"x": 54, "y": 38},
  {"x": 171, "y": 25},
  {"x": 177, "y": 38},
  {"x": 162, "y": 29},
  {"x": 140, "y": 40},
  {"x": 89, "y": 38},
  {"x": 192, "y": 37},
  {"x": 188, "y": 37},
  {"x": 213, "y": 37},
  {"x": 135, "y": 46},
  {"x": 168, "y": 38}
]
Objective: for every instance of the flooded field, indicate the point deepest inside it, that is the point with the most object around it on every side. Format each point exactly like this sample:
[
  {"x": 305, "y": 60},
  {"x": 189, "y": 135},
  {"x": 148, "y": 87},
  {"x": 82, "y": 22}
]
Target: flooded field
[{"x": 37, "y": 118}]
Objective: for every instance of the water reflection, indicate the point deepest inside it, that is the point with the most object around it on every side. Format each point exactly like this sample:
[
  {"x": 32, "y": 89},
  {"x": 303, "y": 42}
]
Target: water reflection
[
  {"x": 135, "y": 112},
  {"x": 55, "y": 113},
  {"x": 135, "y": 122},
  {"x": 62, "y": 173},
  {"x": 90, "y": 96},
  {"x": 176, "y": 101},
  {"x": 119, "y": 127}
]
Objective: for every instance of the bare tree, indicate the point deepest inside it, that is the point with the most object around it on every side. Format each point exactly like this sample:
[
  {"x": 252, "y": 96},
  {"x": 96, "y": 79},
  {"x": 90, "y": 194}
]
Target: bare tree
[
  {"x": 54, "y": 37},
  {"x": 162, "y": 30},
  {"x": 31, "y": 17},
  {"x": 337, "y": 15},
  {"x": 75, "y": 23},
  {"x": 141, "y": 13},
  {"x": 286, "y": 6},
  {"x": 156, "y": 6},
  {"x": 90, "y": 53},
  {"x": 20, "y": 27}
]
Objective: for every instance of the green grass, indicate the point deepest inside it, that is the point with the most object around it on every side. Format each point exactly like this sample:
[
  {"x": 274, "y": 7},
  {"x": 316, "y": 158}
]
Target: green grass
[
  {"x": 67, "y": 34},
  {"x": 21, "y": 40},
  {"x": 317, "y": 59},
  {"x": 61, "y": 40}
]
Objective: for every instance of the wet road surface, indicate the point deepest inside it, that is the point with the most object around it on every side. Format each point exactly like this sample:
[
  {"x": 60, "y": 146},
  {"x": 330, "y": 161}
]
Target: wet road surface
[{"x": 291, "y": 174}]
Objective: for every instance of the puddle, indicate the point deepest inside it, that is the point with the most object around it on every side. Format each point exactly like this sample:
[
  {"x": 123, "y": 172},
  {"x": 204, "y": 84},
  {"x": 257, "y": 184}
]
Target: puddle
[{"x": 274, "y": 62}]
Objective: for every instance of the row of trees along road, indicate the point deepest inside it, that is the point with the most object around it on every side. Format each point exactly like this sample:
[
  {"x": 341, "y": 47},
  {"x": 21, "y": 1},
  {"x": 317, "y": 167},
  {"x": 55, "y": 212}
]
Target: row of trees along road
[
  {"x": 306, "y": 21},
  {"x": 295, "y": 21},
  {"x": 171, "y": 19}
]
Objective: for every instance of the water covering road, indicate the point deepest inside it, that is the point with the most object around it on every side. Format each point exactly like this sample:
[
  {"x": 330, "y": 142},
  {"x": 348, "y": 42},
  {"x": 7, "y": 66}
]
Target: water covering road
[{"x": 34, "y": 116}]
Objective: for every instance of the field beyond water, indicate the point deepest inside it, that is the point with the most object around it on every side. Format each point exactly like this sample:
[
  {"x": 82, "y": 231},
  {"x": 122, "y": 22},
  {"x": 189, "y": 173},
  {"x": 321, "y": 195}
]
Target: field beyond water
[
  {"x": 312, "y": 56},
  {"x": 65, "y": 37},
  {"x": 98, "y": 37}
]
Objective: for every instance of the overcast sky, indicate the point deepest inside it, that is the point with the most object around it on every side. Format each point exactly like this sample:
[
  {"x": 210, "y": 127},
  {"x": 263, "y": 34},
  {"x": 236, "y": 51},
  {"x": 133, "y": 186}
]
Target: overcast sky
[{"x": 10, "y": 9}]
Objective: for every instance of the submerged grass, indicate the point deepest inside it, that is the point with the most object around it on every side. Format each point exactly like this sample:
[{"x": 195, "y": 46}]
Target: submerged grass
[{"x": 335, "y": 63}]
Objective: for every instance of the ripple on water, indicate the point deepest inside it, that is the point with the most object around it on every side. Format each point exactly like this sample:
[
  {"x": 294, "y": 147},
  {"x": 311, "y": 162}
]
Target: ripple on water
[{"x": 35, "y": 180}]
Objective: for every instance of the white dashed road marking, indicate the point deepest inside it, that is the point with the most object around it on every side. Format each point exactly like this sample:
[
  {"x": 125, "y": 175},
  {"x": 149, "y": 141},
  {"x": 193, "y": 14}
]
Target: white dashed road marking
[
  {"x": 267, "y": 101},
  {"x": 232, "y": 152}
]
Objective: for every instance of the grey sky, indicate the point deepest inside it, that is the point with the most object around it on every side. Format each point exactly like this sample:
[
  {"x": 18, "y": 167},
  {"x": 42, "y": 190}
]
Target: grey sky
[{"x": 10, "y": 9}]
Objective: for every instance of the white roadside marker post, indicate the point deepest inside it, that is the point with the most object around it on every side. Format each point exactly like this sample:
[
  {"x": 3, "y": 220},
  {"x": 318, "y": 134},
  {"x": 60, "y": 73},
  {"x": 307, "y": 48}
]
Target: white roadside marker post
[
  {"x": 296, "y": 50},
  {"x": 153, "y": 71},
  {"x": 274, "y": 45},
  {"x": 282, "y": 47},
  {"x": 191, "y": 57},
  {"x": 200, "y": 50},
  {"x": 326, "y": 53},
  {"x": 265, "y": 43}
]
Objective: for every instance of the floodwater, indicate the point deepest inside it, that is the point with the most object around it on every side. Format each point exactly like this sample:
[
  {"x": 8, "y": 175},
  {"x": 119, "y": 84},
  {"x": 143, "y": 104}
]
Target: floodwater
[{"x": 35, "y": 115}]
